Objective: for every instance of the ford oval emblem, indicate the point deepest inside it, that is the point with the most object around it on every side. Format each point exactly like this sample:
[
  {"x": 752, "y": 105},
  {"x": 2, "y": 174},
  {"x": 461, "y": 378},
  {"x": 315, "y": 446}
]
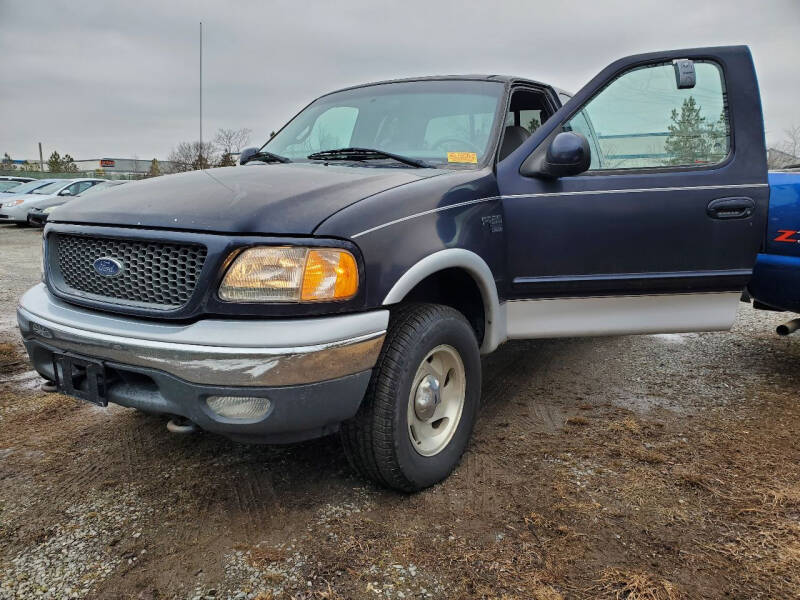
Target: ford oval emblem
[{"x": 107, "y": 267}]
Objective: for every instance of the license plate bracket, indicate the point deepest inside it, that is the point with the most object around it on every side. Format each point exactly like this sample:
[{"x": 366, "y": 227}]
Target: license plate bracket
[{"x": 80, "y": 377}]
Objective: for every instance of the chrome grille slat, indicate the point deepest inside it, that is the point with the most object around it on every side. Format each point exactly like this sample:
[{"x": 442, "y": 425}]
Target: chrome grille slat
[{"x": 158, "y": 274}]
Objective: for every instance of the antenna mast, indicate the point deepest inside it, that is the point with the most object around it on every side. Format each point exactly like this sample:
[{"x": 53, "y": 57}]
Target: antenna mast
[{"x": 201, "y": 95}]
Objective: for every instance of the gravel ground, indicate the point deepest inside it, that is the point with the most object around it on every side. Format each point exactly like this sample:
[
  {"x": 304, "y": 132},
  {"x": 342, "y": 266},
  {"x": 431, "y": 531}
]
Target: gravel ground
[{"x": 663, "y": 466}]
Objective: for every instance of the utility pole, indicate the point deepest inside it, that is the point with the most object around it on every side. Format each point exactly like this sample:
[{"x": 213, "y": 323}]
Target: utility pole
[
  {"x": 41, "y": 158},
  {"x": 201, "y": 94}
]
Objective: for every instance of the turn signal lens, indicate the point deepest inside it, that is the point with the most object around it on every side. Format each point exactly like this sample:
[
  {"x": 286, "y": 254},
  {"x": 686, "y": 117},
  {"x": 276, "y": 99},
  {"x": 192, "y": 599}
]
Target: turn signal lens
[
  {"x": 290, "y": 274},
  {"x": 330, "y": 275}
]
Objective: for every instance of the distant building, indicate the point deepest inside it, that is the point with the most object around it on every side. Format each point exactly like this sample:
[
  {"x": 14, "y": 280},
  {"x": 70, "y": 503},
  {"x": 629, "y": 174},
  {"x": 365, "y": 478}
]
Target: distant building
[
  {"x": 637, "y": 149},
  {"x": 110, "y": 166},
  {"x": 126, "y": 166}
]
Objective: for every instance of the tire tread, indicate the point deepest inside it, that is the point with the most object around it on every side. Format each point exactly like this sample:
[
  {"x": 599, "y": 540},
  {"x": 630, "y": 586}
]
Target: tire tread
[{"x": 369, "y": 438}]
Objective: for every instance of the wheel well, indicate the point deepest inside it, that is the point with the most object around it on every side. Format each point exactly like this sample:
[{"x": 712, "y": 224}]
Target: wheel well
[{"x": 455, "y": 288}]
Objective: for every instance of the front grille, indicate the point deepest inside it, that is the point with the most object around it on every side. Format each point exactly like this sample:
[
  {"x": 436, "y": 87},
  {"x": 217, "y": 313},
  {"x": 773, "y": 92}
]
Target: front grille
[{"x": 157, "y": 274}]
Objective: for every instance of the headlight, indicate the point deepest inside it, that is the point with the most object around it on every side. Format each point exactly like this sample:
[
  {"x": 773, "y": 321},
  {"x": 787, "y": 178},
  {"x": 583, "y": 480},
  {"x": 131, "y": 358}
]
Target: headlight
[
  {"x": 290, "y": 274},
  {"x": 16, "y": 202},
  {"x": 49, "y": 209}
]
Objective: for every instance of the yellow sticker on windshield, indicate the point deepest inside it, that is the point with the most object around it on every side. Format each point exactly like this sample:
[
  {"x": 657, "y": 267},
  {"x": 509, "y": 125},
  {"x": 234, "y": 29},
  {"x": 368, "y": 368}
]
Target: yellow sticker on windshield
[{"x": 462, "y": 157}]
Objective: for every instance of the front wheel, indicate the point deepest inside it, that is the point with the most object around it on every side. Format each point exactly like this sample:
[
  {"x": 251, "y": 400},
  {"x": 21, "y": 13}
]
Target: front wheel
[{"x": 421, "y": 403}]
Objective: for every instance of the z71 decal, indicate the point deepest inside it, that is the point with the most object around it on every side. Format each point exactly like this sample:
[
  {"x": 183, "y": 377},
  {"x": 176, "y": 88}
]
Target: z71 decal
[{"x": 787, "y": 235}]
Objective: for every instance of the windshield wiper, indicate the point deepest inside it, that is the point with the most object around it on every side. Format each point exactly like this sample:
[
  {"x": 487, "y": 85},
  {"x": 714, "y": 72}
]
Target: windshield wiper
[
  {"x": 367, "y": 154},
  {"x": 267, "y": 157}
]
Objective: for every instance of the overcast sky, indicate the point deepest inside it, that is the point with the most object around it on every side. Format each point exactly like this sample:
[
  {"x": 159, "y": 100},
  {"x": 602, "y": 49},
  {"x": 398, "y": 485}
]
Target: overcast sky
[{"x": 120, "y": 79}]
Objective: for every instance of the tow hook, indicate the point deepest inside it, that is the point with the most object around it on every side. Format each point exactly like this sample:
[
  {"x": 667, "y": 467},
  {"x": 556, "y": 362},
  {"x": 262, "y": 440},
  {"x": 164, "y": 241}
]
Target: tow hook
[
  {"x": 181, "y": 425},
  {"x": 788, "y": 327}
]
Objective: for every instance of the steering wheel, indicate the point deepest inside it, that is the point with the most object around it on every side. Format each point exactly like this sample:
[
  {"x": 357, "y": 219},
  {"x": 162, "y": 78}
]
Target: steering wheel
[{"x": 461, "y": 144}]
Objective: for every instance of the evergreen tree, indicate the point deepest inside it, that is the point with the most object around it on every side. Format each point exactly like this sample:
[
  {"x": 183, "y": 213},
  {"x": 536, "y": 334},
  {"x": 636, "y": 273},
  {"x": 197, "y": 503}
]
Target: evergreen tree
[
  {"x": 8, "y": 164},
  {"x": 54, "y": 162},
  {"x": 226, "y": 160},
  {"x": 155, "y": 169},
  {"x": 68, "y": 164},
  {"x": 692, "y": 139}
]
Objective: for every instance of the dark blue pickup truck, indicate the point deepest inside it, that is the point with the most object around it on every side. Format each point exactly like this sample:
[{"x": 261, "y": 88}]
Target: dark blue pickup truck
[
  {"x": 776, "y": 278},
  {"x": 349, "y": 276}
]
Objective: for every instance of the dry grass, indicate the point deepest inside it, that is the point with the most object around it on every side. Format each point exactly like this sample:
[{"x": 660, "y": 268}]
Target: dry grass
[
  {"x": 627, "y": 425},
  {"x": 628, "y": 584},
  {"x": 646, "y": 455},
  {"x": 262, "y": 556},
  {"x": 9, "y": 356}
]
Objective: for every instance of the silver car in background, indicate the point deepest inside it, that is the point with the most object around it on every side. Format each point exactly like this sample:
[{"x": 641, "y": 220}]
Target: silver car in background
[
  {"x": 8, "y": 182},
  {"x": 23, "y": 188},
  {"x": 37, "y": 217},
  {"x": 16, "y": 209}
]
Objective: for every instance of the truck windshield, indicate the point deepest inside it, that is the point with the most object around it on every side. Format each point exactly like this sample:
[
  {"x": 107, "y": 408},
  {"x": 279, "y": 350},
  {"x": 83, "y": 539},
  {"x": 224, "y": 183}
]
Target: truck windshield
[{"x": 441, "y": 122}]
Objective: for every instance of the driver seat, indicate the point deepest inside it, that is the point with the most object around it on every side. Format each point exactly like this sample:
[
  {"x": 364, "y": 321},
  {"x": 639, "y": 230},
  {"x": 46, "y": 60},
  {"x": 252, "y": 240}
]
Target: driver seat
[{"x": 513, "y": 137}]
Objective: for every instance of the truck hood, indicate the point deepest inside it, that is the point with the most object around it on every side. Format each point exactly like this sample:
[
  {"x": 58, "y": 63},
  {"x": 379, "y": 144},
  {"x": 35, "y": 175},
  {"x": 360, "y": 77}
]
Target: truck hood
[{"x": 290, "y": 198}]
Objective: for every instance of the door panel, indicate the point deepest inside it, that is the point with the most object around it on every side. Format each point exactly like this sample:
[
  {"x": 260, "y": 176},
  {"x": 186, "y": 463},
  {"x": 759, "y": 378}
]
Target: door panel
[{"x": 641, "y": 222}]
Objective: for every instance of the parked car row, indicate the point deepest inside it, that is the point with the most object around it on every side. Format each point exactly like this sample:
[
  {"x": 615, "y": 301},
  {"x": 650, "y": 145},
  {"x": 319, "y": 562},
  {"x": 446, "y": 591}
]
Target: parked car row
[
  {"x": 10, "y": 181},
  {"x": 29, "y": 202}
]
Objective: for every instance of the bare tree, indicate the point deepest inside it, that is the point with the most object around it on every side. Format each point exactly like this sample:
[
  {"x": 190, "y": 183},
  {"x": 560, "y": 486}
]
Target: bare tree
[
  {"x": 786, "y": 152},
  {"x": 191, "y": 156},
  {"x": 232, "y": 140}
]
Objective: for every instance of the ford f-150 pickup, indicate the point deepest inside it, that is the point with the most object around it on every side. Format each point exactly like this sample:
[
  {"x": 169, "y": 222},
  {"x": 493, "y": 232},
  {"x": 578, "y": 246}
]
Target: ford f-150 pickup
[{"x": 350, "y": 275}]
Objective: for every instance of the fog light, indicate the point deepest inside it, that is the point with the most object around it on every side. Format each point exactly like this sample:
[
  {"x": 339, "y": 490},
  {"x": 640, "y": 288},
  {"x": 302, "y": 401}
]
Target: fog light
[{"x": 238, "y": 407}]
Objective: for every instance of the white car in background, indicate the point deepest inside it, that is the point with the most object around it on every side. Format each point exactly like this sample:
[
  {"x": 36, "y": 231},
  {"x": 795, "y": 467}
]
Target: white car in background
[
  {"x": 11, "y": 181},
  {"x": 37, "y": 217},
  {"x": 15, "y": 209},
  {"x": 23, "y": 188}
]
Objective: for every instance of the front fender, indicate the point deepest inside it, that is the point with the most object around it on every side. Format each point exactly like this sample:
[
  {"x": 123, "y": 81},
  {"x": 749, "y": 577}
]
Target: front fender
[{"x": 479, "y": 271}]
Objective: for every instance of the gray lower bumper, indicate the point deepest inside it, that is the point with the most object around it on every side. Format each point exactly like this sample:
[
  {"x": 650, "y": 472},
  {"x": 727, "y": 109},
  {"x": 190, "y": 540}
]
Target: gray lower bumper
[{"x": 313, "y": 371}]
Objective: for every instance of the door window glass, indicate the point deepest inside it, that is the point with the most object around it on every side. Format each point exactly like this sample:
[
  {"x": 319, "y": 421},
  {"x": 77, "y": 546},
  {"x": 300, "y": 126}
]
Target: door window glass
[
  {"x": 77, "y": 187},
  {"x": 580, "y": 124},
  {"x": 642, "y": 120}
]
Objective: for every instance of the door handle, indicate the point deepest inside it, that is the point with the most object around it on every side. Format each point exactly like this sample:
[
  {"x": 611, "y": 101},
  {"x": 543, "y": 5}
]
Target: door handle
[{"x": 730, "y": 208}]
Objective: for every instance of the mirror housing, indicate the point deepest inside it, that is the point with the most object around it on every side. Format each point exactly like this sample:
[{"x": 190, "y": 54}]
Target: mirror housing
[
  {"x": 245, "y": 155},
  {"x": 567, "y": 154},
  {"x": 65, "y": 193}
]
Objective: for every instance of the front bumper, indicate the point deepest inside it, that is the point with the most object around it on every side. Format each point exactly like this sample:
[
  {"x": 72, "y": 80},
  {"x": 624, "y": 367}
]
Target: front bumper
[
  {"x": 14, "y": 214},
  {"x": 314, "y": 370},
  {"x": 37, "y": 218}
]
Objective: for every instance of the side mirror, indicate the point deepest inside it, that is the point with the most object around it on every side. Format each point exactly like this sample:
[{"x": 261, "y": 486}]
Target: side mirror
[
  {"x": 65, "y": 193},
  {"x": 568, "y": 154},
  {"x": 246, "y": 154}
]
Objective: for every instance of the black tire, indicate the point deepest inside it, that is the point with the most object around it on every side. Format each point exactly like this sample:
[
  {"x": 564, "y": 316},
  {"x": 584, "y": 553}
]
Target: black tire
[{"x": 376, "y": 440}]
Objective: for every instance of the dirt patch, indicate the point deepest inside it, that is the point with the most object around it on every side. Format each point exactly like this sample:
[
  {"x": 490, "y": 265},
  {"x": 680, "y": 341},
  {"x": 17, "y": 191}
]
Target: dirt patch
[{"x": 653, "y": 467}]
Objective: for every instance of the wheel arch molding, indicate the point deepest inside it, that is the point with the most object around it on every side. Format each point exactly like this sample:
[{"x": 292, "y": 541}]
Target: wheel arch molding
[{"x": 479, "y": 272}]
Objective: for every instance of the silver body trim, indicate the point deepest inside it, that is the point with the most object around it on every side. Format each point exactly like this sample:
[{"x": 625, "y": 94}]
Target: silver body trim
[
  {"x": 621, "y": 315},
  {"x": 552, "y": 194},
  {"x": 211, "y": 352},
  {"x": 494, "y": 319}
]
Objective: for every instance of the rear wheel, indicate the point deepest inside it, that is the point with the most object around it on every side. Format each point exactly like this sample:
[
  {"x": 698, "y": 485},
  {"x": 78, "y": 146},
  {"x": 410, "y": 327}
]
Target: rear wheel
[{"x": 421, "y": 404}]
